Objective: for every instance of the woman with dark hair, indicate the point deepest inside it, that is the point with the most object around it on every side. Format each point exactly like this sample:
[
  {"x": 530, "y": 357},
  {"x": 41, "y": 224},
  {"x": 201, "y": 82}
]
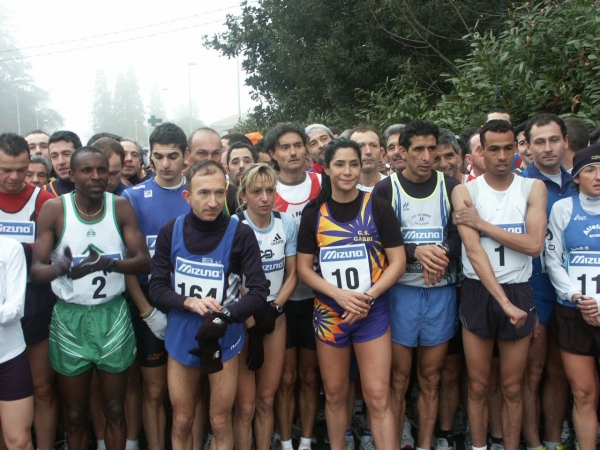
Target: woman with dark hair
[
  {"x": 360, "y": 254},
  {"x": 573, "y": 263}
]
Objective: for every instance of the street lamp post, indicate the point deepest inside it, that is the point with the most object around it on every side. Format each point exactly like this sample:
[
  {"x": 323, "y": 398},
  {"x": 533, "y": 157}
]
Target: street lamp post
[
  {"x": 190, "y": 91},
  {"x": 18, "y": 112}
]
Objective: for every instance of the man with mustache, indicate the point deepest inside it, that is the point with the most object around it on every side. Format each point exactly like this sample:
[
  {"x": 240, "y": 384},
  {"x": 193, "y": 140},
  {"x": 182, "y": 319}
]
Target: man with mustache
[{"x": 423, "y": 302}]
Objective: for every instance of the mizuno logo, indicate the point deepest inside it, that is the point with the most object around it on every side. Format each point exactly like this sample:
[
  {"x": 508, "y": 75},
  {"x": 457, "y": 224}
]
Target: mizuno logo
[
  {"x": 517, "y": 228},
  {"x": 578, "y": 217},
  {"x": 8, "y": 229},
  {"x": 422, "y": 234},
  {"x": 199, "y": 270},
  {"x": 592, "y": 259},
  {"x": 272, "y": 266},
  {"x": 343, "y": 255}
]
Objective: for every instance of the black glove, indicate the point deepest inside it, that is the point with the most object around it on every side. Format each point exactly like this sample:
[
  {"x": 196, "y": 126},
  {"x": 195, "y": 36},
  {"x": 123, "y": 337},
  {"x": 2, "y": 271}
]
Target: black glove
[
  {"x": 64, "y": 263},
  {"x": 265, "y": 320},
  {"x": 210, "y": 355},
  {"x": 93, "y": 263},
  {"x": 256, "y": 351},
  {"x": 213, "y": 327}
]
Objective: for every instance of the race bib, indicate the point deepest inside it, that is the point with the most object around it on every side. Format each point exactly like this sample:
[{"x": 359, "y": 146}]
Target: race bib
[
  {"x": 21, "y": 231},
  {"x": 584, "y": 271},
  {"x": 96, "y": 285},
  {"x": 503, "y": 258},
  {"x": 194, "y": 279},
  {"x": 346, "y": 266}
]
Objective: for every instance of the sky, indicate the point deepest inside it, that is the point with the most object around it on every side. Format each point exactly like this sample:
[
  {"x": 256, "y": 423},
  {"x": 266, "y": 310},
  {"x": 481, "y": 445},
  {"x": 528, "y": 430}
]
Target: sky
[{"x": 69, "y": 40}]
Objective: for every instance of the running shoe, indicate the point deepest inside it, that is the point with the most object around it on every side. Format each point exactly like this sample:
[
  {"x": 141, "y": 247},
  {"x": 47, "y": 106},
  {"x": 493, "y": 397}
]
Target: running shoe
[
  {"x": 442, "y": 444},
  {"x": 408, "y": 442}
]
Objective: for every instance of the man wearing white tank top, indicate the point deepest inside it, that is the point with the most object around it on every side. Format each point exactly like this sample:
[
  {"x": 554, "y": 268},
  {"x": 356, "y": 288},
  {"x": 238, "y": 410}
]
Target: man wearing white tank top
[{"x": 502, "y": 222}]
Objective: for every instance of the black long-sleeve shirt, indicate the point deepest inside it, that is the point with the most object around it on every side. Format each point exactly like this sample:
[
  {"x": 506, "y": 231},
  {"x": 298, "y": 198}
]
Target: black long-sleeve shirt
[
  {"x": 202, "y": 237},
  {"x": 423, "y": 190}
]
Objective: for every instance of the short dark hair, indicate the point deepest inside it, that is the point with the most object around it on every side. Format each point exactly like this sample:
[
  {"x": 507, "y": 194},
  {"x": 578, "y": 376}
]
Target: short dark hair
[
  {"x": 544, "y": 119},
  {"x": 236, "y": 137},
  {"x": 168, "y": 133},
  {"x": 578, "y": 132},
  {"x": 237, "y": 145},
  {"x": 496, "y": 126},
  {"x": 466, "y": 136},
  {"x": 418, "y": 128},
  {"x": 13, "y": 145},
  {"x": 86, "y": 149},
  {"x": 39, "y": 159},
  {"x": 365, "y": 129},
  {"x": 67, "y": 136},
  {"x": 204, "y": 167},
  {"x": 499, "y": 110},
  {"x": 98, "y": 136},
  {"x": 447, "y": 137},
  {"x": 283, "y": 128},
  {"x": 37, "y": 132},
  {"x": 520, "y": 129},
  {"x": 109, "y": 147}
]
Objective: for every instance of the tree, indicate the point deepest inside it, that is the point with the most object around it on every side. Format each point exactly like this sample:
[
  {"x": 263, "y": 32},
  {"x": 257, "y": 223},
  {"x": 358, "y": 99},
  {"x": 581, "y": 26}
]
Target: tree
[
  {"x": 156, "y": 106},
  {"x": 546, "y": 59},
  {"x": 307, "y": 58},
  {"x": 21, "y": 108},
  {"x": 102, "y": 118}
]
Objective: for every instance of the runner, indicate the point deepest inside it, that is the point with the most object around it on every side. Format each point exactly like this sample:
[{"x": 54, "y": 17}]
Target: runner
[
  {"x": 196, "y": 273},
  {"x": 16, "y": 385},
  {"x": 91, "y": 326},
  {"x": 20, "y": 204},
  {"x": 162, "y": 193},
  {"x": 276, "y": 233},
  {"x": 502, "y": 222},
  {"x": 573, "y": 262},
  {"x": 361, "y": 254}
]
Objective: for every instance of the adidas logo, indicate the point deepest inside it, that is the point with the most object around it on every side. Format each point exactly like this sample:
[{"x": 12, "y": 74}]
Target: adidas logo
[
  {"x": 578, "y": 217},
  {"x": 277, "y": 240},
  {"x": 91, "y": 233}
]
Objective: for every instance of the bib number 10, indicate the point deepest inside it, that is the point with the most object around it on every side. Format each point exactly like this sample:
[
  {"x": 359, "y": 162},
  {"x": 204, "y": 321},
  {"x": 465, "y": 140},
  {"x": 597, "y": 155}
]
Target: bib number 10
[
  {"x": 195, "y": 291},
  {"x": 350, "y": 277}
]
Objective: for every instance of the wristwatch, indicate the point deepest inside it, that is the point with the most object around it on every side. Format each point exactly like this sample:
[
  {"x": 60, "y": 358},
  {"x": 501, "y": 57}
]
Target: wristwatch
[
  {"x": 111, "y": 266},
  {"x": 444, "y": 247},
  {"x": 277, "y": 308}
]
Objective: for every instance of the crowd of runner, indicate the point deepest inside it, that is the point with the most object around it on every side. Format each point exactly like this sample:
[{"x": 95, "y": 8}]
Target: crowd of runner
[{"x": 430, "y": 283}]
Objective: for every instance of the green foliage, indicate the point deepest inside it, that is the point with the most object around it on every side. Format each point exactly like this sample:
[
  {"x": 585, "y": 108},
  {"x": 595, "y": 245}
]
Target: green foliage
[
  {"x": 545, "y": 60},
  {"x": 306, "y": 59}
]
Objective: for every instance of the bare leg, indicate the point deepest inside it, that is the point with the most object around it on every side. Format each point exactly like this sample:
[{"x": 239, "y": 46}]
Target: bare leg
[
  {"x": 536, "y": 361},
  {"x": 46, "y": 406},
  {"x": 133, "y": 403},
  {"x": 285, "y": 398},
  {"x": 201, "y": 414},
  {"x": 375, "y": 365},
  {"x": 581, "y": 372},
  {"x": 222, "y": 396},
  {"x": 335, "y": 364},
  {"x": 401, "y": 365},
  {"x": 153, "y": 406},
  {"x": 429, "y": 365},
  {"x": 449, "y": 391},
  {"x": 113, "y": 387},
  {"x": 75, "y": 397},
  {"x": 495, "y": 400},
  {"x": 16, "y": 418},
  {"x": 244, "y": 403},
  {"x": 96, "y": 414},
  {"x": 184, "y": 383},
  {"x": 268, "y": 378},
  {"x": 513, "y": 359},
  {"x": 309, "y": 391},
  {"x": 555, "y": 394},
  {"x": 478, "y": 355}
]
